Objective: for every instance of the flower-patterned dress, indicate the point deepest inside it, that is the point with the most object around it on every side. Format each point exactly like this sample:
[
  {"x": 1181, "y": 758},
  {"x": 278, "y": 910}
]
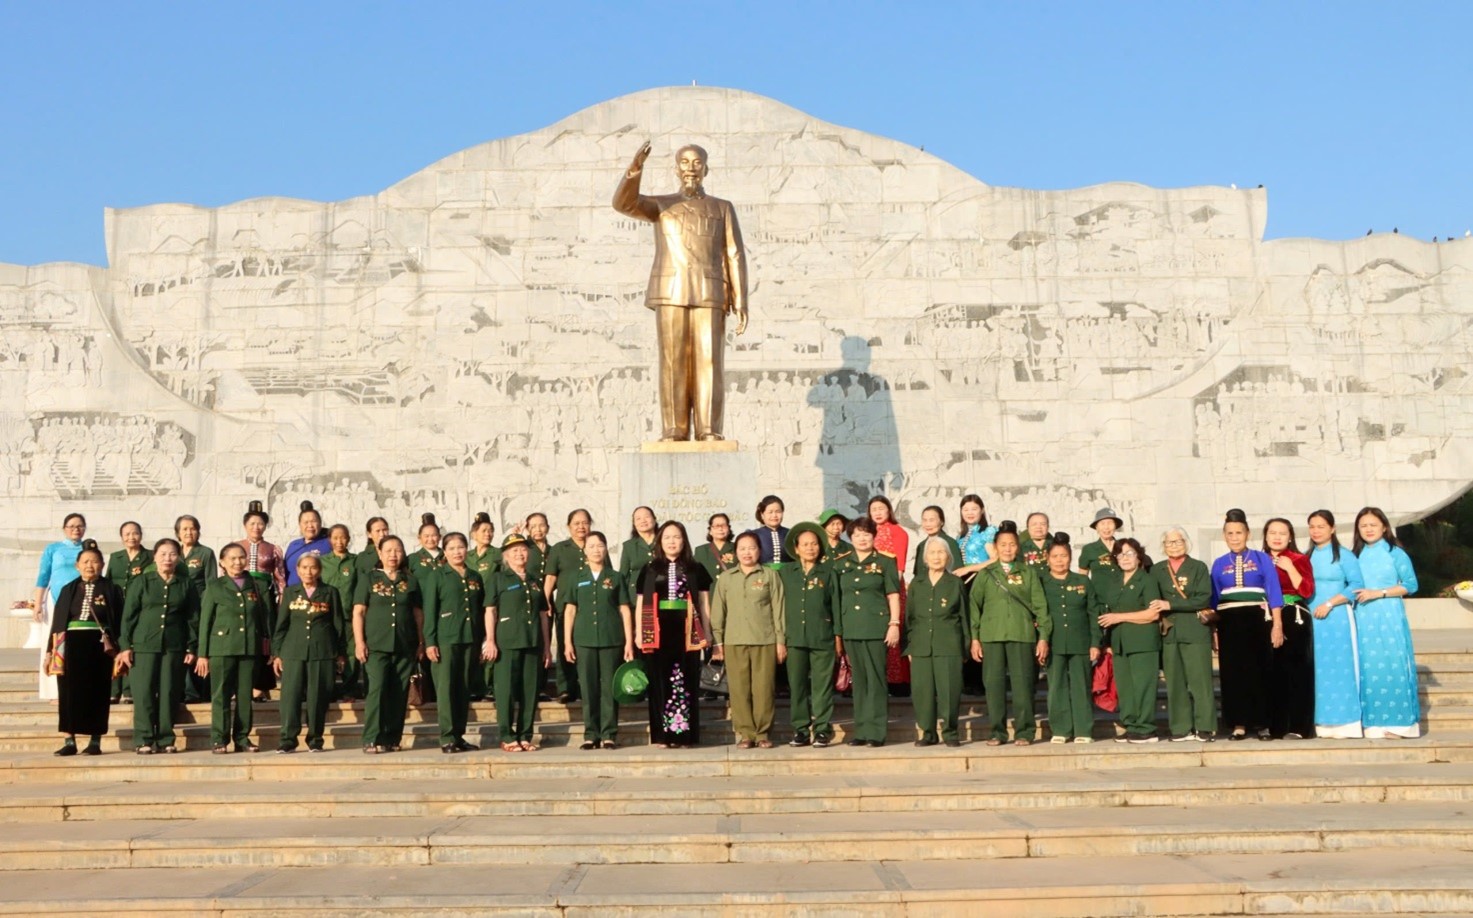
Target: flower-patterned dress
[{"x": 674, "y": 672}]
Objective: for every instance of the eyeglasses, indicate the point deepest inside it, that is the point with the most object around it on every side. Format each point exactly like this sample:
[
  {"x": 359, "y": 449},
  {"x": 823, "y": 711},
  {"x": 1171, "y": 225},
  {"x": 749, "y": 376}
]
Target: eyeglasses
[
  {"x": 1127, "y": 554},
  {"x": 1170, "y": 542}
]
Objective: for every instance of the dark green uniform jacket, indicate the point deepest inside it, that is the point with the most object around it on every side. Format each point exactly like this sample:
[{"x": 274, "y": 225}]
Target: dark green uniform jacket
[
  {"x": 122, "y": 571},
  {"x": 1074, "y": 608},
  {"x": 864, "y": 587},
  {"x": 918, "y": 564},
  {"x": 341, "y": 573},
  {"x": 715, "y": 560},
  {"x": 233, "y": 620},
  {"x": 936, "y": 623},
  {"x": 388, "y": 622},
  {"x": 519, "y": 603},
  {"x": 597, "y": 598},
  {"x": 160, "y": 617},
  {"x": 1189, "y": 591},
  {"x": 811, "y": 602},
  {"x": 1116, "y": 595},
  {"x": 454, "y": 607},
  {"x": 309, "y": 629},
  {"x": 200, "y": 564},
  {"x": 1009, "y": 605}
]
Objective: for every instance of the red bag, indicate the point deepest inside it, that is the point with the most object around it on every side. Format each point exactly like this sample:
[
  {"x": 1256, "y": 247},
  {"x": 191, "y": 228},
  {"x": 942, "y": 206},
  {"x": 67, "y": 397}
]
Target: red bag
[
  {"x": 1106, "y": 698},
  {"x": 845, "y": 676}
]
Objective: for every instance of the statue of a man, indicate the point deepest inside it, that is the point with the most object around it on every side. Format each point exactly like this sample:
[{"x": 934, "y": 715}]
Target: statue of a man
[{"x": 699, "y": 275}]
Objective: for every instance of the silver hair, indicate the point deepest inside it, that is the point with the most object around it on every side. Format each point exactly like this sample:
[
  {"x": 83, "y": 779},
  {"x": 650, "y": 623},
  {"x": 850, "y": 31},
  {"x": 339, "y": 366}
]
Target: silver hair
[
  {"x": 926, "y": 548},
  {"x": 1181, "y": 530}
]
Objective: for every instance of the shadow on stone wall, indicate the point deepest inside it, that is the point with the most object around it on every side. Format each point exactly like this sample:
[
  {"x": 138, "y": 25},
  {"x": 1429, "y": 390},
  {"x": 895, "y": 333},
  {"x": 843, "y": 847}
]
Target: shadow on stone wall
[{"x": 859, "y": 449}]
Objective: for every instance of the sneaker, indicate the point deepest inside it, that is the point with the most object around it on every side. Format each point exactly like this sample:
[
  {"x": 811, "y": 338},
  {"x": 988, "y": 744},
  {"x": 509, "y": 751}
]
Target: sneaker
[
  {"x": 1153, "y": 738},
  {"x": 799, "y": 740},
  {"x": 1122, "y": 739},
  {"x": 1185, "y": 738},
  {"x": 822, "y": 740},
  {"x": 1084, "y": 739},
  {"x": 1204, "y": 737},
  {"x": 1059, "y": 739}
]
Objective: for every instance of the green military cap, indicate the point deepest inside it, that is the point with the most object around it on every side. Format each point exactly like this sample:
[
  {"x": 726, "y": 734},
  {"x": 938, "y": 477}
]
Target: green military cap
[
  {"x": 513, "y": 538},
  {"x": 824, "y": 517},
  {"x": 631, "y": 683},
  {"x": 790, "y": 544}
]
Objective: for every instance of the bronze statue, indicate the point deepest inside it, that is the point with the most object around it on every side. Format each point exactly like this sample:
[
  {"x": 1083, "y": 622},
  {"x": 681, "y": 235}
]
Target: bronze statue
[{"x": 699, "y": 275}]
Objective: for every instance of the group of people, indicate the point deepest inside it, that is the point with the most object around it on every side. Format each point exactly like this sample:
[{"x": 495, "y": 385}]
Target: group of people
[{"x": 1309, "y": 643}]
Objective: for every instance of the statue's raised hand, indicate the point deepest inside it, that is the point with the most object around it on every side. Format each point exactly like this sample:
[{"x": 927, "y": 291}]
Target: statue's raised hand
[{"x": 639, "y": 157}]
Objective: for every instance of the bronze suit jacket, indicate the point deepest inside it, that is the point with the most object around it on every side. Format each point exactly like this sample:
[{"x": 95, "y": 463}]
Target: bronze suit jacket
[{"x": 699, "y": 259}]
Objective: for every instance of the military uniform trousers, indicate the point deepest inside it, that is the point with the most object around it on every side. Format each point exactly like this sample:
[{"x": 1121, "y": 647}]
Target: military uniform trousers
[
  {"x": 1191, "y": 705},
  {"x": 811, "y": 689},
  {"x": 1137, "y": 677},
  {"x": 388, "y": 697},
  {"x": 1010, "y": 664},
  {"x": 309, "y": 680},
  {"x": 453, "y": 689},
  {"x": 1070, "y": 708},
  {"x": 936, "y": 694},
  {"x": 515, "y": 679},
  {"x": 871, "y": 692},
  {"x": 565, "y": 675},
  {"x": 596, "y": 666},
  {"x": 353, "y": 671},
  {"x": 751, "y": 674},
  {"x": 230, "y": 680},
  {"x": 158, "y": 689}
]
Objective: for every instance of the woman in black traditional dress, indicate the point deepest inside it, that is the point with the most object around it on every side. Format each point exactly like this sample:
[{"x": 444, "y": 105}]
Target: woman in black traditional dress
[
  {"x": 672, "y": 627},
  {"x": 87, "y": 611}
]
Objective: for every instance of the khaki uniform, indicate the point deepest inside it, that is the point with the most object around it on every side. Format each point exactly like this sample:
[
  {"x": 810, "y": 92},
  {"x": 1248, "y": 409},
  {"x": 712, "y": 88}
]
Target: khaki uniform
[{"x": 748, "y": 622}]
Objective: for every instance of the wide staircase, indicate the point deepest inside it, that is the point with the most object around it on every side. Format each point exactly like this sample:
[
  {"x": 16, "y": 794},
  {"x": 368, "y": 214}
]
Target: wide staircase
[{"x": 1315, "y": 827}]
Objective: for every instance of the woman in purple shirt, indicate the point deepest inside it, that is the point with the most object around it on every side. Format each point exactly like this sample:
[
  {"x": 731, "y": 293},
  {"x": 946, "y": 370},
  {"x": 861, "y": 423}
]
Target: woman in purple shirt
[{"x": 1248, "y": 603}]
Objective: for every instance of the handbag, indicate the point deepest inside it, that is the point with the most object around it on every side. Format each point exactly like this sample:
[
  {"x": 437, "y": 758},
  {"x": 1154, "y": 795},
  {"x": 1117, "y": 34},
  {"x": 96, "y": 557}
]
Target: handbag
[
  {"x": 1106, "y": 698},
  {"x": 844, "y": 678},
  {"x": 713, "y": 678},
  {"x": 56, "y": 656},
  {"x": 416, "y": 690}
]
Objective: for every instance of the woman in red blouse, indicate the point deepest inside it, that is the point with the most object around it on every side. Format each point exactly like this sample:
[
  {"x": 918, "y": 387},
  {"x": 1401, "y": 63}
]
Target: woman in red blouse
[
  {"x": 1291, "y": 677},
  {"x": 264, "y": 565},
  {"x": 892, "y": 541}
]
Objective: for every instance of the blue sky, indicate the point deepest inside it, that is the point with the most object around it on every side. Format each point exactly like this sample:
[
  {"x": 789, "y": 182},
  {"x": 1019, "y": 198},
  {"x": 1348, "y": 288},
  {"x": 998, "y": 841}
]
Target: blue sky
[{"x": 1355, "y": 115}]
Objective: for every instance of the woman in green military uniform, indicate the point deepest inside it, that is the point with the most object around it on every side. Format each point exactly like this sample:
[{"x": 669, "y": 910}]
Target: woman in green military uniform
[
  {"x": 1074, "y": 644},
  {"x": 938, "y": 632},
  {"x": 564, "y": 560},
  {"x": 637, "y": 550},
  {"x": 1101, "y": 552},
  {"x": 598, "y": 632},
  {"x": 1010, "y": 634},
  {"x": 160, "y": 618},
  {"x": 340, "y": 572},
  {"x": 1034, "y": 544},
  {"x": 309, "y": 645},
  {"x": 811, "y": 607},
  {"x": 388, "y": 628},
  {"x": 719, "y": 553},
  {"x": 123, "y": 566},
  {"x": 233, "y": 627},
  {"x": 869, "y": 623},
  {"x": 933, "y": 523},
  {"x": 199, "y": 565},
  {"x": 1132, "y": 603},
  {"x": 367, "y": 559},
  {"x": 750, "y": 629},
  {"x": 516, "y": 641},
  {"x": 454, "y": 614},
  {"x": 835, "y": 524},
  {"x": 535, "y": 530},
  {"x": 1186, "y": 652},
  {"x": 428, "y": 557},
  {"x": 483, "y": 557}
]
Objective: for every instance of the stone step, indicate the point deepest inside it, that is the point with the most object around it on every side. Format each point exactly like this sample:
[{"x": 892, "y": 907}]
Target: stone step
[
  {"x": 1384, "y": 880},
  {"x": 209, "y": 842}
]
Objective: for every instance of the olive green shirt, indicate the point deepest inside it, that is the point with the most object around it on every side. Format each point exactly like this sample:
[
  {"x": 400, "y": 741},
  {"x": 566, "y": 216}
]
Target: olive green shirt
[
  {"x": 563, "y": 560},
  {"x": 200, "y": 564},
  {"x": 918, "y": 564},
  {"x": 1074, "y": 609},
  {"x": 159, "y": 616},
  {"x": 1095, "y": 555},
  {"x": 536, "y": 561},
  {"x": 1033, "y": 554},
  {"x": 367, "y": 559},
  {"x": 420, "y": 564},
  {"x": 1009, "y": 605},
  {"x": 634, "y": 554},
  {"x": 122, "y": 571},
  {"x": 747, "y": 608},
  {"x": 310, "y": 629},
  {"x": 1118, "y": 595},
  {"x": 517, "y": 604},
  {"x": 341, "y": 573},
  {"x": 715, "y": 560},
  {"x": 811, "y": 604},
  {"x": 833, "y": 553},
  {"x": 596, "y": 600},
  {"x": 1189, "y": 591},
  {"x": 484, "y": 563},
  {"x": 233, "y": 620},
  {"x": 864, "y": 588},
  {"x": 936, "y": 623},
  {"x": 454, "y": 607},
  {"x": 389, "y": 606}
]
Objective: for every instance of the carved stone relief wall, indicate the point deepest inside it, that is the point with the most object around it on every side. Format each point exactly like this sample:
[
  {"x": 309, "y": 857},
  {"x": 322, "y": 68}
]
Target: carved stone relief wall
[{"x": 474, "y": 338}]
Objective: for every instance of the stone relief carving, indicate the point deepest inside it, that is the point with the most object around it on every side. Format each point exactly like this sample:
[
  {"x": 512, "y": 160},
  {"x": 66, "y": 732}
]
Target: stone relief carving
[{"x": 473, "y": 338}]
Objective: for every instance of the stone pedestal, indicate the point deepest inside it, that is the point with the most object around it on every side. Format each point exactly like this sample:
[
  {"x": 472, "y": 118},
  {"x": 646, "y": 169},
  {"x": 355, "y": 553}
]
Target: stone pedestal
[{"x": 689, "y": 481}]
